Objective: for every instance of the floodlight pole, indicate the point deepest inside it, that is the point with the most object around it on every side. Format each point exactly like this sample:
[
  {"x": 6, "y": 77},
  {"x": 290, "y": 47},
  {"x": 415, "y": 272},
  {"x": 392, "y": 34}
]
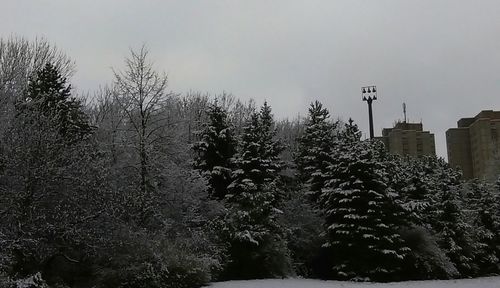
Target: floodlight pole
[
  {"x": 370, "y": 116},
  {"x": 369, "y": 93}
]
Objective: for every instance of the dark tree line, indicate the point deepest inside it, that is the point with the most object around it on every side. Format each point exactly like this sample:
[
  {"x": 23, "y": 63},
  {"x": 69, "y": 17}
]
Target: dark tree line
[{"x": 143, "y": 187}]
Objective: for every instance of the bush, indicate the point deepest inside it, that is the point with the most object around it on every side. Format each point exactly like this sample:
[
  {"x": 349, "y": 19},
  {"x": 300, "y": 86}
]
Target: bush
[
  {"x": 146, "y": 259},
  {"x": 154, "y": 273},
  {"x": 32, "y": 281},
  {"x": 426, "y": 260},
  {"x": 304, "y": 228}
]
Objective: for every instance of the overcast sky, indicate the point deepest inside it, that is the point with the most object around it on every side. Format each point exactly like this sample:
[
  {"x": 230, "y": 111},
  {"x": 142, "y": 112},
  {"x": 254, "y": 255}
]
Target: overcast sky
[{"x": 441, "y": 57}]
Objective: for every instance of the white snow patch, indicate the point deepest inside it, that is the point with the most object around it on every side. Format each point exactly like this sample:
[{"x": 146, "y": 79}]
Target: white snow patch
[{"x": 487, "y": 282}]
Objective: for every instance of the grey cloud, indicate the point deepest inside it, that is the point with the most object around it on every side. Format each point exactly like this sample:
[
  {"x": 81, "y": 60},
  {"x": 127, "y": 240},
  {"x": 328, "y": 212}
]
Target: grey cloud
[{"x": 440, "y": 57}]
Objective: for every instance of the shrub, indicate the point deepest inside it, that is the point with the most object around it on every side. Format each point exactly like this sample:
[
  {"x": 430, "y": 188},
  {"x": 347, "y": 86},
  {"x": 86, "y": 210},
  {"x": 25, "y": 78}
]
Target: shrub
[{"x": 426, "y": 260}]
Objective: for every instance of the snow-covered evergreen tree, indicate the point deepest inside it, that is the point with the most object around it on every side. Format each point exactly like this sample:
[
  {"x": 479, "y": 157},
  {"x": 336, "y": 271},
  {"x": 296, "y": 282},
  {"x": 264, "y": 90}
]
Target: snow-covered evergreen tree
[
  {"x": 416, "y": 183},
  {"x": 315, "y": 146},
  {"x": 362, "y": 219},
  {"x": 453, "y": 231},
  {"x": 443, "y": 212},
  {"x": 49, "y": 93},
  {"x": 482, "y": 204},
  {"x": 215, "y": 151},
  {"x": 432, "y": 192},
  {"x": 257, "y": 248},
  {"x": 270, "y": 147}
]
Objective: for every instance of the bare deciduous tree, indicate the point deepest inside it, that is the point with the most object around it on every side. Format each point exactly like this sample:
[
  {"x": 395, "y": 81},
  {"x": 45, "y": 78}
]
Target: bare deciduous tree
[{"x": 141, "y": 93}]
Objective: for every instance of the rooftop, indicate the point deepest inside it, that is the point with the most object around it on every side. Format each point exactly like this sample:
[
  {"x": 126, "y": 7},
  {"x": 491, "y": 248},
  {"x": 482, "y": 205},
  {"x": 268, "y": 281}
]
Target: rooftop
[{"x": 485, "y": 114}]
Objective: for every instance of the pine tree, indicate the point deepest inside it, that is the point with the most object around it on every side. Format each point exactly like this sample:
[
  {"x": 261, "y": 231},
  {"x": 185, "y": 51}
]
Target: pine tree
[
  {"x": 257, "y": 248},
  {"x": 362, "y": 219},
  {"x": 215, "y": 152},
  {"x": 315, "y": 146},
  {"x": 444, "y": 212},
  {"x": 414, "y": 182},
  {"x": 417, "y": 183},
  {"x": 49, "y": 93},
  {"x": 270, "y": 147},
  {"x": 482, "y": 202},
  {"x": 432, "y": 192},
  {"x": 454, "y": 233}
]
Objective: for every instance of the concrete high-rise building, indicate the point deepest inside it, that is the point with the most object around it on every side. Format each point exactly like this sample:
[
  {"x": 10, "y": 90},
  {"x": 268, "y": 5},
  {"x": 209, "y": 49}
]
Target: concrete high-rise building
[
  {"x": 408, "y": 139},
  {"x": 474, "y": 145}
]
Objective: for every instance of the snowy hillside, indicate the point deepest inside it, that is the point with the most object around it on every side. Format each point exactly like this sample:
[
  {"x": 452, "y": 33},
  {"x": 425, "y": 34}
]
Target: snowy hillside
[{"x": 489, "y": 282}]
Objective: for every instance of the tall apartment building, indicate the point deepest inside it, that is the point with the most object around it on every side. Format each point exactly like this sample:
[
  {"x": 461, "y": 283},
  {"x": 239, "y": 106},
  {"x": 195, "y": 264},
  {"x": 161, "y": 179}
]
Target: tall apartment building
[
  {"x": 408, "y": 139},
  {"x": 474, "y": 145}
]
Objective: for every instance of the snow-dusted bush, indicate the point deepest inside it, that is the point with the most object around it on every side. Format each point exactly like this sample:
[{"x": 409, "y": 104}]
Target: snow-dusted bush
[
  {"x": 304, "y": 234},
  {"x": 426, "y": 259}
]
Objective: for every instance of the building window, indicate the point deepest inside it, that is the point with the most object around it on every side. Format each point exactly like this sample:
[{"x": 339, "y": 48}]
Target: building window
[
  {"x": 405, "y": 146},
  {"x": 420, "y": 146}
]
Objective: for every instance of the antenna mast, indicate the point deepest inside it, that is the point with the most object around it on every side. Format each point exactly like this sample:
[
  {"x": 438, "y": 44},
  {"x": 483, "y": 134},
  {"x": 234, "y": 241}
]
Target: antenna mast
[{"x": 404, "y": 110}]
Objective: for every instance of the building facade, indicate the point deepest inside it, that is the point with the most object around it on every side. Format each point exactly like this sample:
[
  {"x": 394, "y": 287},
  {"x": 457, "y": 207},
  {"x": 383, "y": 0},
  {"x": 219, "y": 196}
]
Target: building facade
[
  {"x": 408, "y": 139},
  {"x": 474, "y": 145}
]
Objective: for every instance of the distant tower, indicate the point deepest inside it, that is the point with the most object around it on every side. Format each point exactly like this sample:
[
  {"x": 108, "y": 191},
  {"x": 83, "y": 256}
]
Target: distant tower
[{"x": 369, "y": 93}]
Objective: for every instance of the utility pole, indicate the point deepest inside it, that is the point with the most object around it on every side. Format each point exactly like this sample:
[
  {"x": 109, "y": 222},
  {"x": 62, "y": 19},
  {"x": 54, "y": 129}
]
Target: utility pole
[{"x": 369, "y": 93}]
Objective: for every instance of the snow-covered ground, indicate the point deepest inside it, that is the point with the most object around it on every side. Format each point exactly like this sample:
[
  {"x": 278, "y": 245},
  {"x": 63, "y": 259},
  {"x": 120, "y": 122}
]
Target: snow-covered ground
[{"x": 488, "y": 282}]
